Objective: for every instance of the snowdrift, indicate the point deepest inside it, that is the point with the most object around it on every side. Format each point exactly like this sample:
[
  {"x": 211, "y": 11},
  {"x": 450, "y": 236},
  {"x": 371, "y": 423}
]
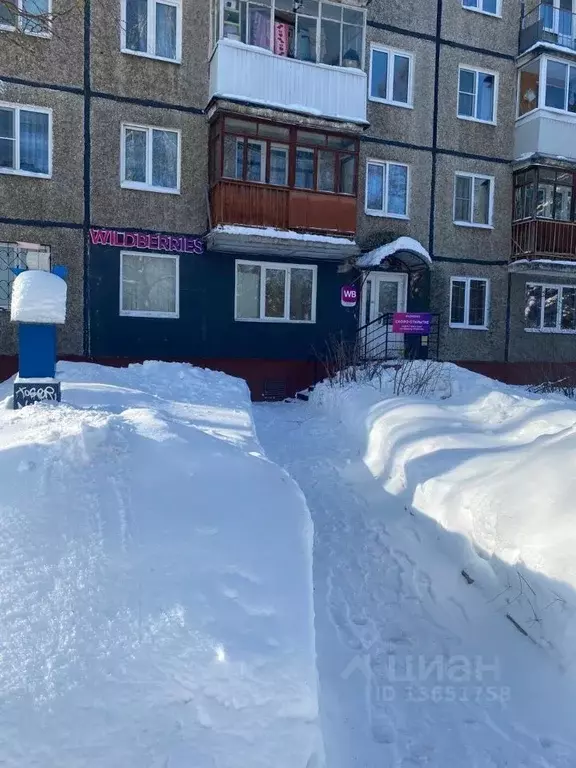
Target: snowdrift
[
  {"x": 495, "y": 465},
  {"x": 155, "y": 586}
]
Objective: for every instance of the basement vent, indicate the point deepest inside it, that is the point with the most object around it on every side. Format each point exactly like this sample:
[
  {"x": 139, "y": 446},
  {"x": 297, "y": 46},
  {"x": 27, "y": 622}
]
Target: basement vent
[{"x": 274, "y": 389}]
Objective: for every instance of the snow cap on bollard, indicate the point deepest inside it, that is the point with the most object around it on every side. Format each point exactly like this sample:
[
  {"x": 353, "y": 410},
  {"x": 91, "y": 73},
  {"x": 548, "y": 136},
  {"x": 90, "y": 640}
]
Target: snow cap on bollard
[{"x": 38, "y": 297}]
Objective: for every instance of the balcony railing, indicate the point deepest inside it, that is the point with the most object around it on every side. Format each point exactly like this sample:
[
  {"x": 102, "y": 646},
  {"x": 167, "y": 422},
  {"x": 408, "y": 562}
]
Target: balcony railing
[
  {"x": 547, "y": 24},
  {"x": 544, "y": 238},
  {"x": 258, "y": 76},
  {"x": 259, "y": 205}
]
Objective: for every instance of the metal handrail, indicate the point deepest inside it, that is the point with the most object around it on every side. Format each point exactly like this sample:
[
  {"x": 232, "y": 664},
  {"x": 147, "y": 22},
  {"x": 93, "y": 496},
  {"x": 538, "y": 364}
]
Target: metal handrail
[{"x": 545, "y": 23}]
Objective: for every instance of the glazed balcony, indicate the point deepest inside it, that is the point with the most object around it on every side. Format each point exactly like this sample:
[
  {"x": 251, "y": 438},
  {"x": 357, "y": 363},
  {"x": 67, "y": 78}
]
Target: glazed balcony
[
  {"x": 548, "y": 23},
  {"x": 257, "y": 205}
]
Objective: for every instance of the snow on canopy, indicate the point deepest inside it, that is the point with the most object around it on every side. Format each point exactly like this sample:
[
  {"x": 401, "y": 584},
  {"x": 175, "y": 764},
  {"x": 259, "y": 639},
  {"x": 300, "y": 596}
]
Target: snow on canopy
[
  {"x": 378, "y": 255},
  {"x": 38, "y": 297}
]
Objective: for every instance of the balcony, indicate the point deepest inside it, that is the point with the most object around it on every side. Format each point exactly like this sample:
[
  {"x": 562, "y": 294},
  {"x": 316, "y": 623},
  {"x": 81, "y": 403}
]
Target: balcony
[
  {"x": 546, "y": 132},
  {"x": 548, "y": 24},
  {"x": 544, "y": 239},
  {"x": 256, "y": 75}
]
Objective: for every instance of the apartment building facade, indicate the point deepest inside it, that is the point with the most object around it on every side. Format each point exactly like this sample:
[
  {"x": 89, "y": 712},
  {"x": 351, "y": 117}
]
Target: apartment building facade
[{"x": 216, "y": 175}]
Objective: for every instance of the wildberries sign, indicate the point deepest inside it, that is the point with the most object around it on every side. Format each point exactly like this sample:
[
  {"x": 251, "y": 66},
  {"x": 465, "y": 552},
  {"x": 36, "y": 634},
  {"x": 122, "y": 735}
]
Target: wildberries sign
[{"x": 145, "y": 241}]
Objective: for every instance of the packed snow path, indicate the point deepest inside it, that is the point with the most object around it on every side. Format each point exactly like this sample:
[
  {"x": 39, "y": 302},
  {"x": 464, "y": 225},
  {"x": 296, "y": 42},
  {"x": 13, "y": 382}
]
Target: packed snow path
[{"x": 390, "y": 603}]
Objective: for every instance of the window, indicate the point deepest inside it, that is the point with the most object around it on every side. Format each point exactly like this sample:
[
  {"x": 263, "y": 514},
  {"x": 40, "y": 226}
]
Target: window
[
  {"x": 149, "y": 285},
  {"x": 560, "y": 86},
  {"x": 529, "y": 87},
  {"x": 268, "y": 153},
  {"x": 473, "y": 199},
  {"x": 328, "y": 33},
  {"x": 33, "y": 17},
  {"x": 469, "y": 298},
  {"x": 25, "y": 140},
  {"x": 152, "y": 28},
  {"x": 550, "y": 308},
  {"x": 477, "y": 95},
  {"x": 387, "y": 189},
  {"x": 19, "y": 256},
  {"x": 491, "y": 7},
  {"x": 391, "y": 77},
  {"x": 275, "y": 292},
  {"x": 544, "y": 193},
  {"x": 150, "y": 159}
]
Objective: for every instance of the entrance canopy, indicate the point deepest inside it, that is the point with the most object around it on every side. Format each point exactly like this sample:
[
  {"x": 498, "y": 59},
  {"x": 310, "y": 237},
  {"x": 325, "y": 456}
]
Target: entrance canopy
[{"x": 406, "y": 250}]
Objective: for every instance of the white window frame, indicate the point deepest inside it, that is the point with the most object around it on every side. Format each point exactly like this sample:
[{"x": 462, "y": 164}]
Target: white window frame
[
  {"x": 558, "y": 327},
  {"x": 21, "y": 21},
  {"x": 362, "y": 54},
  {"x": 149, "y": 53},
  {"x": 545, "y": 60},
  {"x": 27, "y": 108},
  {"x": 142, "y": 313},
  {"x": 478, "y": 71},
  {"x": 263, "y": 265},
  {"x": 384, "y": 213},
  {"x": 392, "y": 53},
  {"x": 147, "y": 186},
  {"x": 479, "y": 9},
  {"x": 474, "y": 176},
  {"x": 466, "y": 325}
]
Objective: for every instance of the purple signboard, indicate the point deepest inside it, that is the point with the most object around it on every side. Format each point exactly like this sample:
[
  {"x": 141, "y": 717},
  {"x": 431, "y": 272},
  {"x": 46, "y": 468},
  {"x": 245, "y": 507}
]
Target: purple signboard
[
  {"x": 349, "y": 296},
  {"x": 412, "y": 322}
]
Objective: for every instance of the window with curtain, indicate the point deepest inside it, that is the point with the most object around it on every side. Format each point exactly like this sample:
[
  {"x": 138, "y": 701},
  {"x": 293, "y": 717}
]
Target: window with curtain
[
  {"x": 275, "y": 292},
  {"x": 386, "y": 189},
  {"x": 477, "y": 95},
  {"x": 149, "y": 285},
  {"x": 32, "y": 17},
  {"x": 473, "y": 199},
  {"x": 25, "y": 140},
  {"x": 390, "y": 76},
  {"x": 314, "y": 31},
  {"x": 153, "y": 28},
  {"x": 469, "y": 298},
  {"x": 19, "y": 256},
  {"x": 151, "y": 159}
]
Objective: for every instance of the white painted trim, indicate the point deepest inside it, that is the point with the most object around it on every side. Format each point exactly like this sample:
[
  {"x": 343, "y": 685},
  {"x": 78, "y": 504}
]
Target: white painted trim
[
  {"x": 27, "y": 108},
  {"x": 477, "y": 225},
  {"x": 482, "y": 71},
  {"x": 384, "y": 212},
  {"x": 466, "y": 325},
  {"x": 392, "y": 52},
  {"x": 497, "y": 15},
  {"x": 149, "y": 53},
  {"x": 147, "y": 186},
  {"x": 137, "y": 313},
  {"x": 263, "y": 265}
]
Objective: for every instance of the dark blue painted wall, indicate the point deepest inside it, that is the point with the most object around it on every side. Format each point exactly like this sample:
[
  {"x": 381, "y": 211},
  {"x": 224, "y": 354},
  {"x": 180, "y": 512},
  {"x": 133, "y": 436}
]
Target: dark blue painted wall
[{"x": 206, "y": 327}]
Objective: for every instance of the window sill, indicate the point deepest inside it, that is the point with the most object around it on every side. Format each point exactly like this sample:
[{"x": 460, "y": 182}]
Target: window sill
[
  {"x": 45, "y": 35},
  {"x": 561, "y": 331},
  {"x": 400, "y": 104},
  {"x": 145, "y": 55},
  {"x": 471, "y": 225},
  {"x": 146, "y": 188},
  {"x": 28, "y": 174},
  {"x": 458, "y": 327},
  {"x": 157, "y": 315},
  {"x": 383, "y": 215},
  {"x": 483, "y": 13},
  {"x": 477, "y": 120},
  {"x": 273, "y": 320}
]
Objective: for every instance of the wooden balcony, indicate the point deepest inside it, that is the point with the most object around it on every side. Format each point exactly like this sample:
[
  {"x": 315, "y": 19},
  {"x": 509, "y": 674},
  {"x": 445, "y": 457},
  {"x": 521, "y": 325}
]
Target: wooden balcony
[
  {"x": 259, "y": 205},
  {"x": 544, "y": 238}
]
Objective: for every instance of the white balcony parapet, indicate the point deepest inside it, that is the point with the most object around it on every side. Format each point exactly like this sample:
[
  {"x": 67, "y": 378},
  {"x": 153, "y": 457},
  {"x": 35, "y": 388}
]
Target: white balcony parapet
[
  {"x": 258, "y": 76},
  {"x": 546, "y": 132}
]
